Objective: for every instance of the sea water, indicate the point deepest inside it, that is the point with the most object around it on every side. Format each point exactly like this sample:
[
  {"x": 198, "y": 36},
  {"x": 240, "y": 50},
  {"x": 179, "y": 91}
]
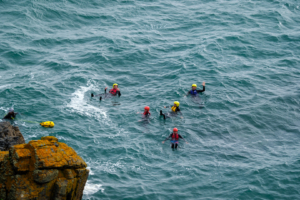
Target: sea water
[{"x": 243, "y": 132}]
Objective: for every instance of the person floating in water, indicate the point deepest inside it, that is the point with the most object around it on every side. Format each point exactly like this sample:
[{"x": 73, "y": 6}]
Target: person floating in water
[
  {"x": 174, "y": 138},
  {"x": 113, "y": 92},
  {"x": 175, "y": 109},
  {"x": 194, "y": 90},
  {"x": 11, "y": 114},
  {"x": 146, "y": 112}
]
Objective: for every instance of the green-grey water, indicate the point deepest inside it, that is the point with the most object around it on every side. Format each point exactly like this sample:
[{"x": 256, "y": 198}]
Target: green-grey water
[{"x": 243, "y": 143}]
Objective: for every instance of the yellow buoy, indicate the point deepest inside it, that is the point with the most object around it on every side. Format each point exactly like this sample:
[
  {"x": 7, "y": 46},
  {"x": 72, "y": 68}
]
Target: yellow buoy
[{"x": 47, "y": 124}]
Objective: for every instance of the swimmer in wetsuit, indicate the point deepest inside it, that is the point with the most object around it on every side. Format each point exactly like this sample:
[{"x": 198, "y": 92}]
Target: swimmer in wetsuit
[
  {"x": 146, "y": 112},
  {"x": 11, "y": 114},
  {"x": 174, "y": 138},
  {"x": 113, "y": 92},
  {"x": 194, "y": 90},
  {"x": 175, "y": 109}
]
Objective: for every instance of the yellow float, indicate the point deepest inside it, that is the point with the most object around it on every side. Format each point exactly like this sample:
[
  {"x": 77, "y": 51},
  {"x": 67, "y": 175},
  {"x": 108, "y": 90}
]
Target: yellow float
[{"x": 47, "y": 124}]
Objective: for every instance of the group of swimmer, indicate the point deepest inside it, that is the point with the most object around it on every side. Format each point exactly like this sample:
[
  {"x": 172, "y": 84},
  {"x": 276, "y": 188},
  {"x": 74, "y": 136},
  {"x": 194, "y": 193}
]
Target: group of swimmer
[
  {"x": 174, "y": 136},
  {"x": 115, "y": 91}
]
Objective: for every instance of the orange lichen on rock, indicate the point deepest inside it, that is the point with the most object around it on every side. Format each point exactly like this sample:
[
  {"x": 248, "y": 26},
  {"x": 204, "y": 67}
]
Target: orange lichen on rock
[
  {"x": 2, "y": 155},
  {"x": 50, "y": 138},
  {"x": 53, "y": 154},
  {"x": 42, "y": 169},
  {"x": 20, "y": 157}
]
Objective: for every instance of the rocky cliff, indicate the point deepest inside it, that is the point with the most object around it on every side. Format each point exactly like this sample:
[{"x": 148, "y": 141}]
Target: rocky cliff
[
  {"x": 42, "y": 170},
  {"x": 9, "y": 136}
]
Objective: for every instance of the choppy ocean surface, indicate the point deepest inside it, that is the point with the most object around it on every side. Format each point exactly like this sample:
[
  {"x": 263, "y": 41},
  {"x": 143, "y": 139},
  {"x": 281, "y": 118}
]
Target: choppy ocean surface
[{"x": 243, "y": 144}]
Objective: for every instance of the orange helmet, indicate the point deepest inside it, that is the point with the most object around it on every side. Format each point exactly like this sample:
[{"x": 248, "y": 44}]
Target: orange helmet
[{"x": 147, "y": 108}]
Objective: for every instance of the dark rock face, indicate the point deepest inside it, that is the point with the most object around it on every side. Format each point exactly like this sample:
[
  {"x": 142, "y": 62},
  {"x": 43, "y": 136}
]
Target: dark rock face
[
  {"x": 45, "y": 176},
  {"x": 9, "y": 136}
]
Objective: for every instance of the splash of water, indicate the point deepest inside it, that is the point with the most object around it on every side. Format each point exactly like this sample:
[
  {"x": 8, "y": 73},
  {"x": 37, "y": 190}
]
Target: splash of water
[{"x": 79, "y": 105}]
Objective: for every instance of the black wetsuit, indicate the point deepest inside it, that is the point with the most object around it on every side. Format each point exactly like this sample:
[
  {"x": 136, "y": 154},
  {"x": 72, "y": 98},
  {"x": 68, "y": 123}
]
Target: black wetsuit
[
  {"x": 175, "y": 143},
  {"x": 177, "y": 109},
  {"x": 197, "y": 90},
  {"x": 145, "y": 116},
  {"x": 10, "y": 116}
]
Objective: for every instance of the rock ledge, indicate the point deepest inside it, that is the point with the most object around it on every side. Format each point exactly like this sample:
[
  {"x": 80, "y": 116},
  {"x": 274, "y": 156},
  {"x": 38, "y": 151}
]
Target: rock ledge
[
  {"x": 9, "y": 136},
  {"x": 42, "y": 170}
]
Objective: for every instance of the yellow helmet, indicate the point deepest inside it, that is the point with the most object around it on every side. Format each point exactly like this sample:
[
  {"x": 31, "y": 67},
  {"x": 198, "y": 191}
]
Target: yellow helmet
[
  {"x": 114, "y": 85},
  {"x": 194, "y": 85},
  {"x": 176, "y": 103}
]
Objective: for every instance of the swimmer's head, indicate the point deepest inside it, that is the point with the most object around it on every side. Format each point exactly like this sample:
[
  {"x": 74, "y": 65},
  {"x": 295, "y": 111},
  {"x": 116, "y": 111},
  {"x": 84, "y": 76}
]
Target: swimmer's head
[
  {"x": 176, "y": 103},
  {"x": 194, "y": 87},
  {"x": 115, "y": 86},
  {"x": 11, "y": 110},
  {"x": 147, "y": 108},
  {"x": 175, "y": 130}
]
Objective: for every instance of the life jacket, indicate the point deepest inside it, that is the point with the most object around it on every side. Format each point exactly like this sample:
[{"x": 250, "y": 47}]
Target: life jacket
[
  {"x": 175, "y": 137},
  {"x": 193, "y": 92},
  {"x": 113, "y": 91},
  {"x": 173, "y": 108},
  {"x": 147, "y": 113}
]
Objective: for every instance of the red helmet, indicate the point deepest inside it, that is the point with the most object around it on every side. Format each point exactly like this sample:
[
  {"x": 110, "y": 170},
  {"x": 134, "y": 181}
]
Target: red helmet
[
  {"x": 147, "y": 108},
  {"x": 175, "y": 130}
]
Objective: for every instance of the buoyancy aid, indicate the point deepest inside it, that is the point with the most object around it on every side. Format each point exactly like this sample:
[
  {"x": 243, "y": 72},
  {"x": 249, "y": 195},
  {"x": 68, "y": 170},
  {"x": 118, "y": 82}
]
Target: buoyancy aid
[
  {"x": 193, "y": 92},
  {"x": 113, "y": 91},
  {"x": 175, "y": 137},
  {"x": 174, "y": 108},
  {"x": 147, "y": 113}
]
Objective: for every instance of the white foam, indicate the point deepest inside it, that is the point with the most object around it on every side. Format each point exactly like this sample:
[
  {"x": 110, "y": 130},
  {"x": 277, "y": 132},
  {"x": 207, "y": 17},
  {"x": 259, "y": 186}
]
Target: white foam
[
  {"x": 4, "y": 86},
  {"x": 4, "y": 109},
  {"x": 60, "y": 137},
  {"x": 91, "y": 188},
  {"x": 96, "y": 166},
  {"x": 91, "y": 172},
  {"x": 31, "y": 75},
  {"x": 79, "y": 105}
]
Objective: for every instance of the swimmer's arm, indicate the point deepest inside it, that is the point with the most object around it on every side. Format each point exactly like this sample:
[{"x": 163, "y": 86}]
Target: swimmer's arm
[
  {"x": 201, "y": 90},
  {"x": 167, "y": 138},
  {"x": 167, "y": 106},
  {"x": 105, "y": 90},
  {"x": 182, "y": 138},
  {"x": 119, "y": 93},
  {"x": 203, "y": 87}
]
